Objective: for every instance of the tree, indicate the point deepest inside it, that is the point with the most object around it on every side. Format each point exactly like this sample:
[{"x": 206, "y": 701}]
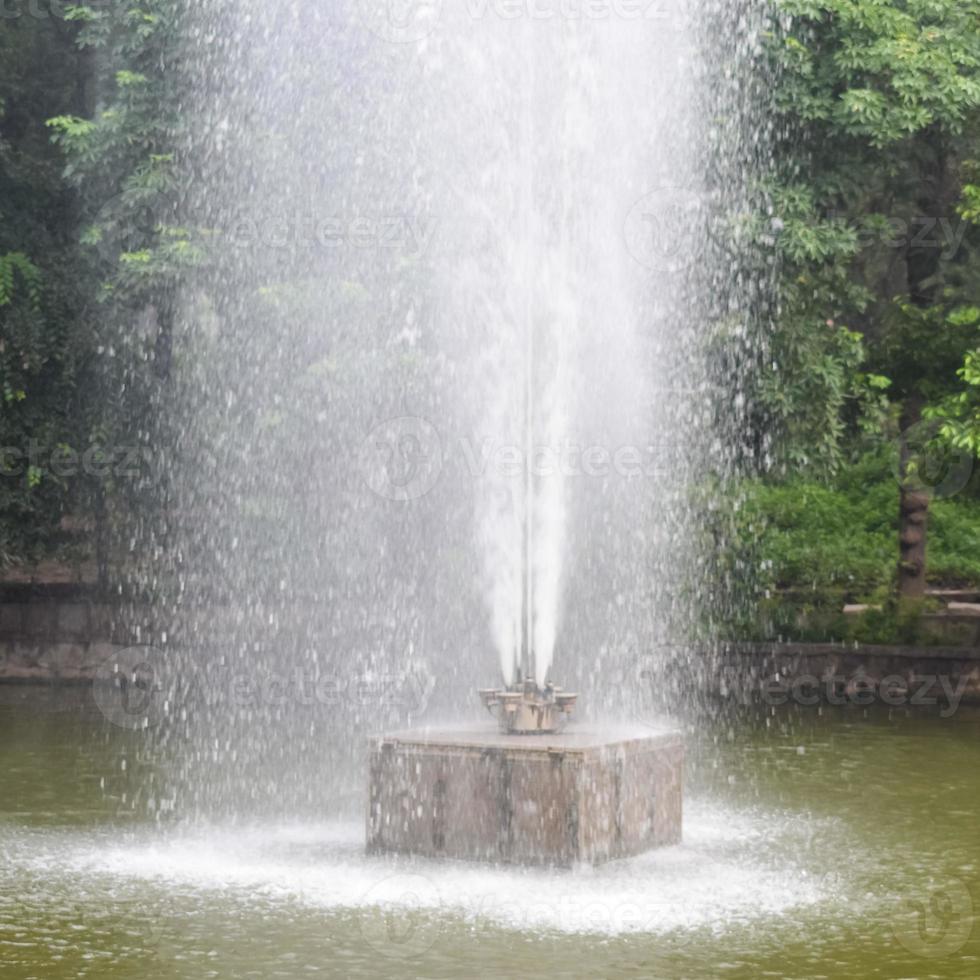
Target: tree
[
  {"x": 45, "y": 328},
  {"x": 883, "y": 98},
  {"x": 122, "y": 158}
]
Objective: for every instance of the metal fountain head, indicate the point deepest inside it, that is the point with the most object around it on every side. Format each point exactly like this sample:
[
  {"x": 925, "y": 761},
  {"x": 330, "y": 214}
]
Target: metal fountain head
[{"x": 526, "y": 709}]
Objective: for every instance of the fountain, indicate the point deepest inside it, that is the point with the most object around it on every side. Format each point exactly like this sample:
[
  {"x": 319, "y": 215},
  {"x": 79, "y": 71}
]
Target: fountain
[
  {"x": 442, "y": 411},
  {"x": 529, "y": 793},
  {"x": 585, "y": 796},
  {"x": 438, "y": 409}
]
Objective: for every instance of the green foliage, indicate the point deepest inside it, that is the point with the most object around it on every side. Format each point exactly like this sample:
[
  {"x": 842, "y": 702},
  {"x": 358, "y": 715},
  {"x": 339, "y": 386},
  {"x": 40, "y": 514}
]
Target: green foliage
[
  {"x": 879, "y": 99},
  {"x": 955, "y": 541},
  {"x": 91, "y": 250},
  {"x": 820, "y": 385},
  {"x": 17, "y": 269},
  {"x": 123, "y": 157},
  {"x": 24, "y": 348},
  {"x": 45, "y": 333},
  {"x": 881, "y": 70},
  {"x": 969, "y": 208},
  {"x": 805, "y": 549},
  {"x": 960, "y": 412},
  {"x": 821, "y": 538}
]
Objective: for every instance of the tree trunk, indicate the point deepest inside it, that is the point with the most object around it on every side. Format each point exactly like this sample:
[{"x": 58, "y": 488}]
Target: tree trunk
[
  {"x": 913, "y": 514},
  {"x": 923, "y": 264}
]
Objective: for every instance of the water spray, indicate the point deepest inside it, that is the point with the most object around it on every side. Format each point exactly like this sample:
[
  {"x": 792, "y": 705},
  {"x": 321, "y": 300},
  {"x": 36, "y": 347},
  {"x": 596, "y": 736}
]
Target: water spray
[{"x": 531, "y": 703}]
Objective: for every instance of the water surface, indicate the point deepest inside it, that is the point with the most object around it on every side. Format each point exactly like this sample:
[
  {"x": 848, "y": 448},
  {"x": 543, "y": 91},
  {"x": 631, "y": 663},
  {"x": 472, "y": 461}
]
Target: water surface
[{"x": 817, "y": 844}]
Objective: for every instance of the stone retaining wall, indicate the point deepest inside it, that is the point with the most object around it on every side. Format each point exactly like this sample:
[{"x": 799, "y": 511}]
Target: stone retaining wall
[
  {"x": 767, "y": 667},
  {"x": 64, "y": 640},
  {"x": 55, "y": 640}
]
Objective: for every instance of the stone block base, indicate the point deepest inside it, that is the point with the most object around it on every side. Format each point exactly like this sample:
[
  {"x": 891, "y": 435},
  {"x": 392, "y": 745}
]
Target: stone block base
[{"x": 585, "y": 795}]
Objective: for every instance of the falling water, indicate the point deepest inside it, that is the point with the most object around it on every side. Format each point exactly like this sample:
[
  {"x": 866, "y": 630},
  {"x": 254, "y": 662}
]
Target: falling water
[{"x": 445, "y": 382}]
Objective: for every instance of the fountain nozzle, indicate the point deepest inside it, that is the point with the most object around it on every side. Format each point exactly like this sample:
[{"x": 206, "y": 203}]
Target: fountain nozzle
[{"x": 526, "y": 709}]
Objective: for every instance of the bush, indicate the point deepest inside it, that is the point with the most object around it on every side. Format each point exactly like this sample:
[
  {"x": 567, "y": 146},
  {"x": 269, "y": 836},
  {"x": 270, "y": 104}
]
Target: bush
[{"x": 806, "y": 549}]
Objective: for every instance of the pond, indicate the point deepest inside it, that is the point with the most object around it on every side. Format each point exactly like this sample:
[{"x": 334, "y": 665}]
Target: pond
[{"x": 832, "y": 842}]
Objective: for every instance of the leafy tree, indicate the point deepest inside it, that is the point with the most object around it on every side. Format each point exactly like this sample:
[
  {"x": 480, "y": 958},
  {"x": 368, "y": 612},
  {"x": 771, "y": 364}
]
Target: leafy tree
[
  {"x": 123, "y": 160},
  {"x": 882, "y": 104},
  {"x": 45, "y": 327}
]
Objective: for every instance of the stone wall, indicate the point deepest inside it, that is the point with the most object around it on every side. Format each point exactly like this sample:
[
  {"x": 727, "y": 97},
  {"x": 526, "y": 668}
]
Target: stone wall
[
  {"x": 55, "y": 640},
  {"x": 846, "y": 673},
  {"x": 64, "y": 637}
]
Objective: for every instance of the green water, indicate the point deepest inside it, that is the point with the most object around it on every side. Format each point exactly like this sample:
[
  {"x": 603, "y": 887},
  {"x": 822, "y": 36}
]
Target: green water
[{"x": 840, "y": 843}]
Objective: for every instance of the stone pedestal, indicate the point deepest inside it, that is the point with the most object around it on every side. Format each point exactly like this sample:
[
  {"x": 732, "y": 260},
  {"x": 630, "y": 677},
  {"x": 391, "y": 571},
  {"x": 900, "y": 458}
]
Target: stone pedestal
[{"x": 585, "y": 795}]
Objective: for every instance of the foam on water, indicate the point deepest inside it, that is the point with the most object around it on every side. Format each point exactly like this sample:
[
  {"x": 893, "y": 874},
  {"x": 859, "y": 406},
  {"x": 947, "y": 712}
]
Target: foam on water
[{"x": 733, "y": 868}]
